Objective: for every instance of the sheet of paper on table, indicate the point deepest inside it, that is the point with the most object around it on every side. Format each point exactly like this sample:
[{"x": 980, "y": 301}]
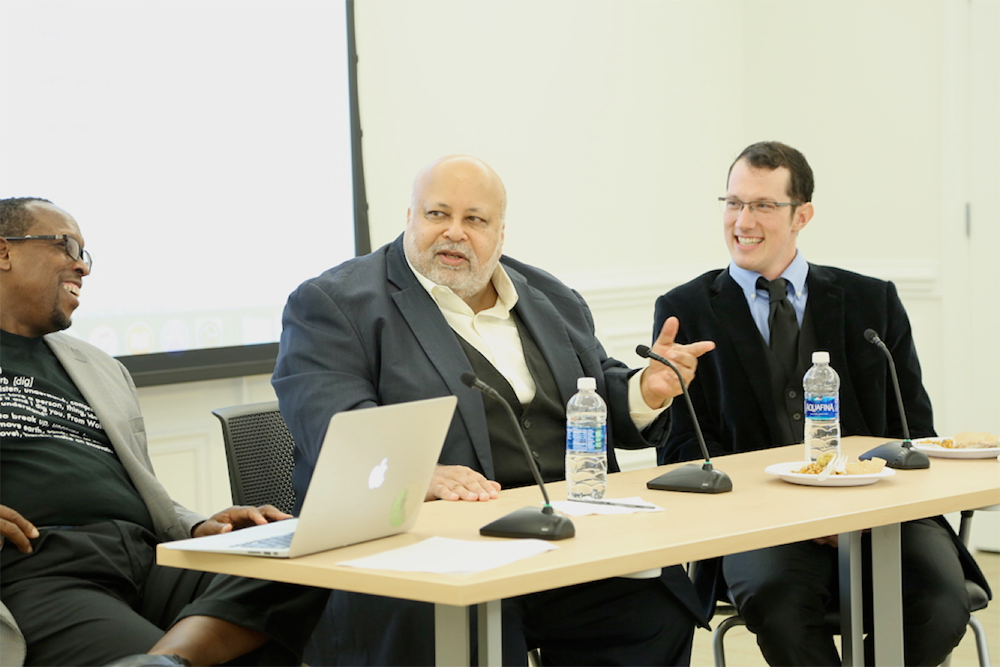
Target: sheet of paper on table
[{"x": 442, "y": 555}]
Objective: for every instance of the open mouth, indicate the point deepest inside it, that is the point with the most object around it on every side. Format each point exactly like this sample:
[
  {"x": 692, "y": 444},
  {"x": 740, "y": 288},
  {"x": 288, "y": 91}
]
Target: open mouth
[
  {"x": 72, "y": 288},
  {"x": 749, "y": 240},
  {"x": 451, "y": 258}
]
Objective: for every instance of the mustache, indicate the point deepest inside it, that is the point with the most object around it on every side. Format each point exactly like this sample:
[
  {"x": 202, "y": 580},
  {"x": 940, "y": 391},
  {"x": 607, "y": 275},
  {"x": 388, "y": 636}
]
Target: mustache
[{"x": 459, "y": 248}]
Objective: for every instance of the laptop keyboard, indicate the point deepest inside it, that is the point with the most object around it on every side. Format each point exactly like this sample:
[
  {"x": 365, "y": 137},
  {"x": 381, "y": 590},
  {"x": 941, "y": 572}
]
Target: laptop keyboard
[{"x": 276, "y": 542}]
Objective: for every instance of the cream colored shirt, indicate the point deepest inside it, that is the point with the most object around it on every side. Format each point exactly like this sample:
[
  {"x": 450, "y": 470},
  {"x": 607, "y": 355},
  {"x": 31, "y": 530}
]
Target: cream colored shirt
[{"x": 494, "y": 334}]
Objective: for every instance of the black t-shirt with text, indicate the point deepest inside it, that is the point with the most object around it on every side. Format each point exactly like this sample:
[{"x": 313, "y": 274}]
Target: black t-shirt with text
[{"x": 57, "y": 464}]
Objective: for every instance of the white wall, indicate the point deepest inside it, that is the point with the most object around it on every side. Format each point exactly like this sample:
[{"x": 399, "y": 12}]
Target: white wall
[
  {"x": 617, "y": 121},
  {"x": 613, "y": 124}
]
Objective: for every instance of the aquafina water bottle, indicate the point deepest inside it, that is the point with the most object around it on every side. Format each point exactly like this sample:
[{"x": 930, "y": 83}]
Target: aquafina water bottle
[
  {"x": 586, "y": 442},
  {"x": 821, "y": 387}
]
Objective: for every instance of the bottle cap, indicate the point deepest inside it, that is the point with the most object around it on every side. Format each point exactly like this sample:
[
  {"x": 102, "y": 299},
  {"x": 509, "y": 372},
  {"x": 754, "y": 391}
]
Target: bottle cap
[
  {"x": 821, "y": 357},
  {"x": 586, "y": 383}
]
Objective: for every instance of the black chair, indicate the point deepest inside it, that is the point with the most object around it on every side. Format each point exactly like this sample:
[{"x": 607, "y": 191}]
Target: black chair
[
  {"x": 977, "y": 598},
  {"x": 259, "y": 453}
]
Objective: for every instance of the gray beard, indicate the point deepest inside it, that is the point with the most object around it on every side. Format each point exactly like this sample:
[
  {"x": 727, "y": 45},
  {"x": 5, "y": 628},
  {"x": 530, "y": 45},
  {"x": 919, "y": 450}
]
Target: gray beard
[{"x": 464, "y": 282}]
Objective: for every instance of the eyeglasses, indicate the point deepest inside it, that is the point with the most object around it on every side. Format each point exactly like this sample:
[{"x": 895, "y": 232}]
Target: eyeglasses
[
  {"x": 70, "y": 245},
  {"x": 732, "y": 206}
]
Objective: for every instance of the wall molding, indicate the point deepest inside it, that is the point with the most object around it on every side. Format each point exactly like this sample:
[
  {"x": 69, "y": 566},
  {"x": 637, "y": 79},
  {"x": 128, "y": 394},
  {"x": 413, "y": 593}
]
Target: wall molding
[
  {"x": 627, "y": 287},
  {"x": 197, "y": 443},
  {"x": 622, "y": 300}
]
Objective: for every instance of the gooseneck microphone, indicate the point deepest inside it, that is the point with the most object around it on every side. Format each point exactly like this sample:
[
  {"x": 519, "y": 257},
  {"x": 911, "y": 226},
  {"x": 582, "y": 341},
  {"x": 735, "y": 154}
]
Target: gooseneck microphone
[
  {"x": 532, "y": 522},
  {"x": 692, "y": 477},
  {"x": 902, "y": 455},
  {"x": 873, "y": 338}
]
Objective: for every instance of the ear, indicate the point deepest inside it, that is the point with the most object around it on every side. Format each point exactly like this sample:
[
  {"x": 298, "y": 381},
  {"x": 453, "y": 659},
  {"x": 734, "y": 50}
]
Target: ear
[
  {"x": 4, "y": 254},
  {"x": 803, "y": 214},
  {"x": 409, "y": 217}
]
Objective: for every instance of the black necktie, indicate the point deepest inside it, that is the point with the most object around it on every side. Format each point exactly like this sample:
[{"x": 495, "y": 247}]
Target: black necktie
[{"x": 782, "y": 323}]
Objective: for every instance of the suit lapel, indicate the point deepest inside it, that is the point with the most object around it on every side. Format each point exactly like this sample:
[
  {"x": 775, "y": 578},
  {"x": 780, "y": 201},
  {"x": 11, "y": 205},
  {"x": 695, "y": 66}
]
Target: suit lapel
[
  {"x": 438, "y": 342},
  {"x": 90, "y": 379},
  {"x": 99, "y": 379},
  {"x": 730, "y": 305},
  {"x": 546, "y": 326},
  {"x": 828, "y": 309}
]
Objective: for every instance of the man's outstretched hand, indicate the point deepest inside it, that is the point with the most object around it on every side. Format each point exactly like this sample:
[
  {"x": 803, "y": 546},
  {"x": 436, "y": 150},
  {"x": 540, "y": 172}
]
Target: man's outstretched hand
[{"x": 659, "y": 383}]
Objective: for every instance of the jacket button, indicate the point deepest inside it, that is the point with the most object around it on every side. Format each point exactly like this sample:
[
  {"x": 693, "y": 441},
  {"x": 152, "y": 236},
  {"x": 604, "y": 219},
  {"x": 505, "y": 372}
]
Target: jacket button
[
  {"x": 792, "y": 394},
  {"x": 526, "y": 423},
  {"x": 797, "y": 416}
]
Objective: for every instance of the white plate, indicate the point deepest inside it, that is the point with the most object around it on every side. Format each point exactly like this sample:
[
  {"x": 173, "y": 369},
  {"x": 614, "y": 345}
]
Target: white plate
[
  {"x": 785, "y": 472},
  {"x": 931, "y": 448}
]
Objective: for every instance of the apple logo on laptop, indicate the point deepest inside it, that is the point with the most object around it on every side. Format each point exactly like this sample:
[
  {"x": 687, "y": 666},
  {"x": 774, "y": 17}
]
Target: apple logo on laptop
[{"x": 377, "y": 476}]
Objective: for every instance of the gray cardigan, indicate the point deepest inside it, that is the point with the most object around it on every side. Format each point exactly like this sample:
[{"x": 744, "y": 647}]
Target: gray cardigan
[{"x": 109, "y": 390}]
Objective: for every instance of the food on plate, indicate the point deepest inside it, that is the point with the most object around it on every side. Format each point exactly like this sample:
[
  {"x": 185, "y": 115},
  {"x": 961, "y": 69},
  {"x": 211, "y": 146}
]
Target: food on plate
[
  {"x": 966, "y": 440},
  {"x": 813, "y": 468},
  {"x": 868, "y": 467},
  {"x": 976, "y": 440},
  {"x": 816, "y": 467}
]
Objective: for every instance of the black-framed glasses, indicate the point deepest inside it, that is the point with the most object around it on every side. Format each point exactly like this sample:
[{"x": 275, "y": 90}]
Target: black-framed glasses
[
  {"x": 70, "y": 245},
  {"x": 731, "y": 206}
]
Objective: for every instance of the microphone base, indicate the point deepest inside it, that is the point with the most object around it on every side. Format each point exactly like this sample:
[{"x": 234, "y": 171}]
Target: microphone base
[
  {"x": 531, "y": 522},
  {"x": 899, "y": 455},
  {"x": 693, "y": 478}
]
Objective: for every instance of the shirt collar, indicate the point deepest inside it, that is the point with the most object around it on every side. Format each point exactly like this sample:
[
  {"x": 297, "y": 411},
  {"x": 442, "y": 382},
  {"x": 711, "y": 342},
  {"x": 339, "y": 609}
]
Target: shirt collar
[
  {"x": 446, "y": 299},
  {"x": 795, "y": 274}
]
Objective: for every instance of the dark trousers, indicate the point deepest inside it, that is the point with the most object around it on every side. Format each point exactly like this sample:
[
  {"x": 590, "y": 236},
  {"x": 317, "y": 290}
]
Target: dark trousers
[
  {"x": 783, "y": 593},
  {"x": 92, "y": 594},
  {"x": 607, "y": 622}
]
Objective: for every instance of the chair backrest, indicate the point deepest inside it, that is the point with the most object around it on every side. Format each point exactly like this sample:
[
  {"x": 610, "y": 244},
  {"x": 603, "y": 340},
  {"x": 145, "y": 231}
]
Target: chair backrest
[{"x": 259, "y": 453}]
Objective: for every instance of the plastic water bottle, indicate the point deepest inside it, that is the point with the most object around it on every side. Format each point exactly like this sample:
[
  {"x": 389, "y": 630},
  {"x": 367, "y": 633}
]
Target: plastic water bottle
[
  {"x": 821, "y": 387},
  {"x": 586, "y": 442}
]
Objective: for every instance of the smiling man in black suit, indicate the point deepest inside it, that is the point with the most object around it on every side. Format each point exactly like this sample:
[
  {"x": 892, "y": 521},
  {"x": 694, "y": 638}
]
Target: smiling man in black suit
[{"x": 748, "y": 396}]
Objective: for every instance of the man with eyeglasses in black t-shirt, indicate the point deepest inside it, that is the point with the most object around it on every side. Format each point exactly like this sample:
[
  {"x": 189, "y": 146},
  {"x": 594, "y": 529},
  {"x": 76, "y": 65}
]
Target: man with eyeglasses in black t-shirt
[{"x": 80, "y": 508}]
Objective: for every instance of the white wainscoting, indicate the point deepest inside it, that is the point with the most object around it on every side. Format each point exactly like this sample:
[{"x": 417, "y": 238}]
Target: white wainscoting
[
  {"x": 186, "y": 459},
  {"x": 185, "y": 439}
]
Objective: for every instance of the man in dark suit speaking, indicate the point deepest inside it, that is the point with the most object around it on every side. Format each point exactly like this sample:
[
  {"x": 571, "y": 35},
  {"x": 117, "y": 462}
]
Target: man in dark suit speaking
[
  {"x": 405, "y": 323},
  {"x": 748, "y": 396}
]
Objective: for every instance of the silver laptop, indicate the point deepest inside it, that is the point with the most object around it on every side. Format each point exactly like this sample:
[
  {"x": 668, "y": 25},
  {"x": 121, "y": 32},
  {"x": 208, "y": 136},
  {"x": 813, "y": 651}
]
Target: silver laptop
[{"x": 370, "y": 481}]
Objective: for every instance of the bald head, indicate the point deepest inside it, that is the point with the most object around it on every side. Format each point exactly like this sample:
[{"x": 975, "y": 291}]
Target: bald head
[
  {"x": 464, "y": 169},
  {"x": 454, "y": 228}
]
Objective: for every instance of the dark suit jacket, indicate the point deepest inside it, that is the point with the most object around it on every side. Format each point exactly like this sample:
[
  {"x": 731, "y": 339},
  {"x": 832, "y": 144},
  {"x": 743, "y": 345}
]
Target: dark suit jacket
[
  {"x": 732, "y": 394},
  {"x": 367, "y": 333}
]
